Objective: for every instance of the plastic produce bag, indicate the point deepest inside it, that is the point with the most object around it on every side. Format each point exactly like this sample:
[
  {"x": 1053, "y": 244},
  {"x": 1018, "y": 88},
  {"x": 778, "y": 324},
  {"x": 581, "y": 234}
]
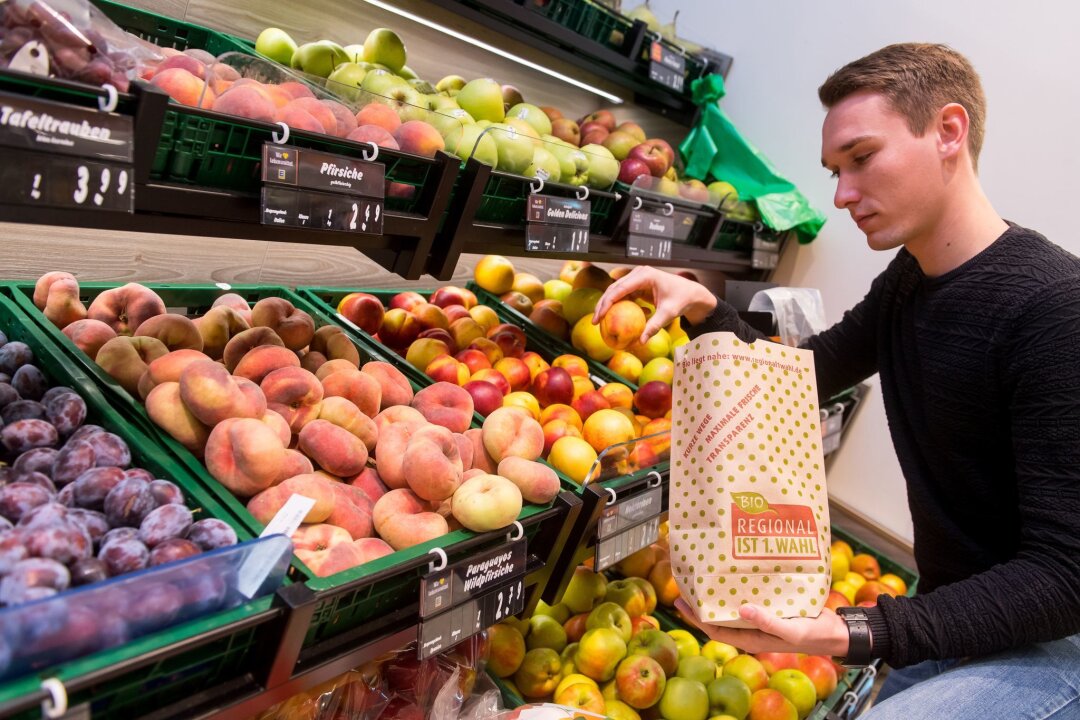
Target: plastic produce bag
[
  {"x": 72, "y": 40},
  {"x": 542, "y": 711},
  {"x": 715, "y": 149},
  {"x": 799, "y": 312}
]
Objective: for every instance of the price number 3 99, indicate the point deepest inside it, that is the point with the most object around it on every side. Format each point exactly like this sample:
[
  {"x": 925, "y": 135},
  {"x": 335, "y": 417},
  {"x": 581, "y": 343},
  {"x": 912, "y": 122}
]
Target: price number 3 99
[{"x": 100, "y": 186}]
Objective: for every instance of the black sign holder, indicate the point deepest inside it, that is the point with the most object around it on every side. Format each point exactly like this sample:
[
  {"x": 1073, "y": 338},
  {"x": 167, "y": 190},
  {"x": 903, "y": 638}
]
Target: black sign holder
[
  {"x": 667, "y": 67},
  {"x": 629, "y": 525},
  {"x": 557, "y": 224}
]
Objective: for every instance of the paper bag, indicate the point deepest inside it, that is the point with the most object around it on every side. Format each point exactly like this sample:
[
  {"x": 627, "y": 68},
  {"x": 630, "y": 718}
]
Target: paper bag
[{"x": 749, "y": 515}]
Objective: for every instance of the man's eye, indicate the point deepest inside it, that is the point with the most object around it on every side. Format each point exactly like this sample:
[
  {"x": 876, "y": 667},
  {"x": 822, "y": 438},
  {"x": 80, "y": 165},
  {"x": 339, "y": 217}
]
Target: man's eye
[{"x": 861, "y": 159}]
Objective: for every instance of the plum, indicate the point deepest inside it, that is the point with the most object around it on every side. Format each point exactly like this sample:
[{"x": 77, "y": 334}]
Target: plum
[
  {"x": 7, "y": 395},
  {"x": 17, "y": 499},
  {"x": 14, "y": 355},
  {"x": 173, "y": 549},
  {"x": 86, "y": 431},
  {"x": 36, "y": 478},
  {"x": 37, "y": 460},
  {"x": 3, "y": 339},
  {"x": 29, "y": 382},
  {"x": 12, "y": 550},
  {"x": 63, "y": 542},
  {"x": 23, "y": 435},
  {"x": 66, "y": 495},
  {"x": 129, "y": 502},
  {"x": 5, "y": 525},
  {"x": 110, "y": 450},
  {"x": 211, "y": 534},
  {"x": 139, "y": 473},
  {"x": 153, "y": 607},
  {"x": 66, "y": 412},
  {"x": 33, "y": 573},
  {"x": 94, "y": 485},
  {"x": 50, "y": 513},
  {"x": 166, "y": 493},
  {"x": 94, "y": 523},
  {"x": 76, "y": 457},
  {"x": 120, "y": 533},
  {"x": 54, "y": 391},
  {"x": 124, "y": 556},
  {"x": 22, "y": 410},
  {"x": 168, "y": 521},
  {"x": 203, "y": 593},
  {"x": 88, "y": 570}
]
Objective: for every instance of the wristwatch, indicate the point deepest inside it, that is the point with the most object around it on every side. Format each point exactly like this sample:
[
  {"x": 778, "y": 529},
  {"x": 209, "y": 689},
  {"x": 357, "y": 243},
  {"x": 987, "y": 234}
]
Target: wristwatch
[{"x": 860, "y": 643}]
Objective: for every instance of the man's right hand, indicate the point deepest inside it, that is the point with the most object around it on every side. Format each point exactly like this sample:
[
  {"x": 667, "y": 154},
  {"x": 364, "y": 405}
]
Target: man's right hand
[{"x": 673, "y": 296}]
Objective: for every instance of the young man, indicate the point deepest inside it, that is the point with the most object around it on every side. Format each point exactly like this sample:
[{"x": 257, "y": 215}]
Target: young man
[{"x": 974, "y": 328}]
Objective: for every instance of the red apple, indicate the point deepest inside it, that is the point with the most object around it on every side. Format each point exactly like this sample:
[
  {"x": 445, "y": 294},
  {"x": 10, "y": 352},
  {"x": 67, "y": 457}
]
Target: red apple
[
  {"x": 653, "y": 157},
  {"x": 486, "y": 397},
  {"x": 773, "y": 661},
  {"x": 663, "y": 145},
  {"x": 821, "y": 672},
  {"x": 604, "y": 118},
  {"x": 553, "y": 386},
  {"x": 694, "y": 190},
  {"x": 631, "y": 169}
]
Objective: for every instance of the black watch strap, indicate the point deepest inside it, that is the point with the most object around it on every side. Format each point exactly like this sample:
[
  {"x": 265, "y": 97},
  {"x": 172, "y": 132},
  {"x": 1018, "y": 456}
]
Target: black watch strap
[{"x": 860, "y": 642}]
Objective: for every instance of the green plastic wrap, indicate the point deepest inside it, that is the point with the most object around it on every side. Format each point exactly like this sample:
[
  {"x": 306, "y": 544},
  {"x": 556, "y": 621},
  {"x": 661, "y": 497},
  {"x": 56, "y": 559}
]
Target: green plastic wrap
[{"x": 716, "y": 150}]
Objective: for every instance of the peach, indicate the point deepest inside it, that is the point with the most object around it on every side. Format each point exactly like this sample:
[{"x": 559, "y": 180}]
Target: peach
[
  {"x": 402, "y": 414},
  {"x": 494, "y": 273},
  {"x": 589, "y": 403},
  {"x": 333, "y": 560},
  {"x": 556, "y": 429},
  {"x": 363, "y": 310},
  {"x": 89, "y": 335},
  {"x": 582, "y": 385},
  {"x": 185, "y": 62},
  {"x": 484, "y": 316},
  {"x": 618, "y": 395},
  {"x": 406, "y": 300},
  {"x": 481, "y": 459},
  {"x": 465, "y": 450},
  {"x": 125, "y": 359},
  {"x": 489, "y": 347},
  {"x": 125, "y": 308},
  {"x": 295, "y": 327},
  {"x": 344, "y": 413},
  {"x": 495, "y": 378},
  {"x": 295, "y": 394},
  {"x": 296, "y": 89},
  {"x": 528, "y": 285},
  {"x": 525, "y": 401},
  {"x": 237, "y": 303},
  {"x": 473, "y": 359},
  {"x": 560, "y": 412},
  {"x": 487, "y": 398},
  {"x": 475, "y": 472},
  {"x": 509, "y": 338},
  {"x": 334, "y": 344},
  {"x": 43, "y": 286},
  {"x": 446, "y": 369},
  {"x": 295, "y": 463},
  {"x": 369, "y": 483},
  {"x": 516, "y": 373},
  {"x": 402, "y": 519},
  {"x": 373, "y": 134},
  {"x": 653, "y": 399},
  {"x": 265, "y": 505},
  {"x": 279, "y": 425},
  {"x": 372, "y": 548},
  {"x": 553, "y": 386},
  {"x": 423, "y": 350},
  {"x": 378, "y": 114},
  {"x": 419, "y": 138},
  {"x": 352, "y": 511},
  {"x": 572, "y": 364},
  {"x": 246, "y": 101},
  {"x": 333, "y": 448},
  {"x": 262, "y": 360},
  {"x": 625, "y": 364},
  {"x": 592, "y": 276},
  {"x": 319, "y": 537},
  {"x": 464, "y": 331},
  {"x": 445, "y": 404},
  {"x": 437, "y": 334},
  {"x": 168, "y": 368},
  {"x": 622, "y": 324},
  {"x": 487, "y": 502},
  {"x": 362, "y": 389},
  {"x": 245, "y": 455},
  {"x": 535, "y": 363},
  {"x": 312, "y": 361},
  {"x": 508, "y": 431},
  {"x": 549, "y": 317},
  {"x": 430, "y": 316},
  {"x": 432, "y": 463},
  {"x": 183, "y": 87},
  {"x": 517, "y": 301},
  {"x": 217, "y": 327},
  {"x": 390, "y": 452},
  {"x": 346, "y": 120},
  {"x": 60, "y": 302},
  {"x": 165, "y": 408},
  {"x": 240, "y": 344},
  {"x": 332, "y": 366},
  {"x": 537, "y": 482},
  {"x": 605, "y": 428},
  {"x": 212, "y": 395},
  {"x": 451, "y": 295},
  {"x": 458, "y": 312},
  {"x": 395, "y": 387}
]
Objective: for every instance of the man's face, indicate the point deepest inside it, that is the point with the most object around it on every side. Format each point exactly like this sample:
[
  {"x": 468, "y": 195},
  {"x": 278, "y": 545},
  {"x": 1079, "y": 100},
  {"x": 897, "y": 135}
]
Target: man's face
[{"x": 887, "y": 178}]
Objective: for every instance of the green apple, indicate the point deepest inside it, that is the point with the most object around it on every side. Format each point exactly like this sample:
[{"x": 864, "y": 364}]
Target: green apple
[
  {"x": 544, "y": 160},
  {"x": 610, "y": 615},
  {"x": 603, "y": 167},
  {"x": 749, "y": 670},
  {"x": 463, "y": 141},
  {"x": 573, "y": 163},
  {"x": 725, "y": 192},
  {"x": 585, "y": 588},
  {"x": 379, "y": 82},
  {"x": 532, "y": 115},
  {"x": 696, "y": 667},
  {"x": 558, "y": 611},
  {"x": 482, "y": 98},
  {"x": 687, "y": 643},
  {"x": 684, "y": 700},
  {"x": 719, "y": 652},
  {"x": 355, "y": 53},
  {"x": 557, "y": 289},
  {"x": 546, "y": 632},
  {"x": 658, "y": 645},
  {"x": 729, "y": 695},
  {"x": 383, "y": 46},
  {"x": 797, "y": 688},
  {"x": 319, "y": 58},
  {"x": 446, "y": 121},
  {"x": 515, "y": 148},
  {"x": 450, "y": 82},
  {"x": 408, "y": 73},
  {"x": 275, "y": 44},
  {"x": 348, "y": 74},
  {"x": 524, "y": 128},
  {"x": 440, "y": 102}
]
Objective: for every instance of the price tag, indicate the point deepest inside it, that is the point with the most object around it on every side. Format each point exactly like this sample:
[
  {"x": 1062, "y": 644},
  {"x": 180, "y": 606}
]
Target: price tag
[
  {"x": 628, "y": 526},
  {"x": 65, "y": 156},
  {"x": 557, "y": 224},
  {"x": 667, "y": 67},
  {"x": 650, "y": 235},
  {"x": 316, "y": 190},
  {"x": 617, "y": 548},
  {"x": 288, "y": 518},
  {"x": 461, "y": 600}
]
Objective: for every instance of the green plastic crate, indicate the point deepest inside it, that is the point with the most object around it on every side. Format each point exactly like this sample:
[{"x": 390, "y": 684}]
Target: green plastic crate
[
  {"x": 591, "y": 20},
  {"x": 165, "y": 31},
  {"x": 505, "y": 196},
  {"x": 193, "y": 665}
]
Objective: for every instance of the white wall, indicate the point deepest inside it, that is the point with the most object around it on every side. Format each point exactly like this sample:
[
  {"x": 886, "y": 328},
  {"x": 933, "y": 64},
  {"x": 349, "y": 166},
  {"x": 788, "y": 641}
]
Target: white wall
[{"x": 784, "y": 49}]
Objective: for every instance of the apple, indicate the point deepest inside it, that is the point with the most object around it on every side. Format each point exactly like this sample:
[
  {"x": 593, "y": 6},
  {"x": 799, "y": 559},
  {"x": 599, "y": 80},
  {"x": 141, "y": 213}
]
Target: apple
[
  {"x": 482, "y": 99},
  {"x": 664, "y": 147},
  {"x": 515, "y": 149},
  {"x": 653, "y": 157},
  {"x": 686, "y": 642},
  {"x": 749, "y": 670},
  {"x": 770, "y": 704},
  {"x": 511, "y": 96},
  {"x": 379, "y": 82},
  {"x": 728, "y": 695},
  {"x": 384, "y": 47},
  {"x": 348, "y": 75},
  {"x": 719, "y": 652},
  {"x": 275, "y": 44},
  {"x": 557, "y": 289},
  {"x": 604, "y": 118},
  {"x": 776, "y": 661},
  {"x": 465, "y": 141},
  {"x": 545, "y": 632},
  {"x": 447, "y": 120},
  {"x": 625, "y": 593},
  {"x": 539, "y": 674},
  {"x": 684, "y": 700},
  {"x": 566, "y": 130},
  {"x": 584, "y": 590},
  {"x": 603, "y": 167},
  {"x": 532, "y": 115},
  {"x": 728, "y": 196},
  {"x": 821, "y": 672},
  {"x": 599, "y": 652},
  {"x": 610, "y": 615},
  {"x": 620, "y": 144},
  {"x": 450, "y": 82},
  {"x": 659, "y": 646},
  {"x": 318, "y": 58},
  {"x": 544, "y": 161},
  {"x": 631, "y": 169},
  {"x": 697, "y": 668},
  {"x": 487, "y": 398},
  {"x": 640, "y": 681},
  {"x": 694, "y": 190},
  {"x": 642, "y": 623},
  {"x": 573, "y": 163},
  {"x": 632, "y": 129}
]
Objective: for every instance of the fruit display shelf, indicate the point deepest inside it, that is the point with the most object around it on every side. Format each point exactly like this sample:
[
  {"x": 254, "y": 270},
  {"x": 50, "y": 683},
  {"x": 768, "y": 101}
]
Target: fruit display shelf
[
  {"x": 326, "y": 614},
  {"x": 208, "y": 654}
]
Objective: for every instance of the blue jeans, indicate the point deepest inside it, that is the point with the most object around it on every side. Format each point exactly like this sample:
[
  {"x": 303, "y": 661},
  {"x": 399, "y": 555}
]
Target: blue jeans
[{"x": 1037, "y": 682}]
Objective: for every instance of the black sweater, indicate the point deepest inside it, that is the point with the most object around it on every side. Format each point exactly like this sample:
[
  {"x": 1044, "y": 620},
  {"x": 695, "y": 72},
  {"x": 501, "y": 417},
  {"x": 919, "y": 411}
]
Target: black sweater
[{"x": 980, "y": 375}]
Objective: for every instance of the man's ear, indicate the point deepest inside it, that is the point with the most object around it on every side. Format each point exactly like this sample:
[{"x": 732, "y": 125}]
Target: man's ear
[{"x": 952, "y": 130}]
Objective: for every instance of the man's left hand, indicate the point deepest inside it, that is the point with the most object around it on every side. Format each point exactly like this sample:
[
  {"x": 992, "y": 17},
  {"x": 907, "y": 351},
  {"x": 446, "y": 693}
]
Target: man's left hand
[{"x": 827, "y": 634}]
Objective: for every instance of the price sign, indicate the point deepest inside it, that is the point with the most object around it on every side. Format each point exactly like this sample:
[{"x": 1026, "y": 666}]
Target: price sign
[
  {"x": 65, "y": 156},
  {"x": 650, "y": 235},
  {"x": 628, "y": 526},
  {"x": 311, "y": 189},
  {"x": 667, "y": 67},
  {"x": 557, "y": 224},
  {"x": 461, "y": 600}
]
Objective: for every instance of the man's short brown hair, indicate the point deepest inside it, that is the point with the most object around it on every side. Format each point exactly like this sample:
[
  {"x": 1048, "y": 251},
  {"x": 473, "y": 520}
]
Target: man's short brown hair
[{"x": 918, "y": 79}]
